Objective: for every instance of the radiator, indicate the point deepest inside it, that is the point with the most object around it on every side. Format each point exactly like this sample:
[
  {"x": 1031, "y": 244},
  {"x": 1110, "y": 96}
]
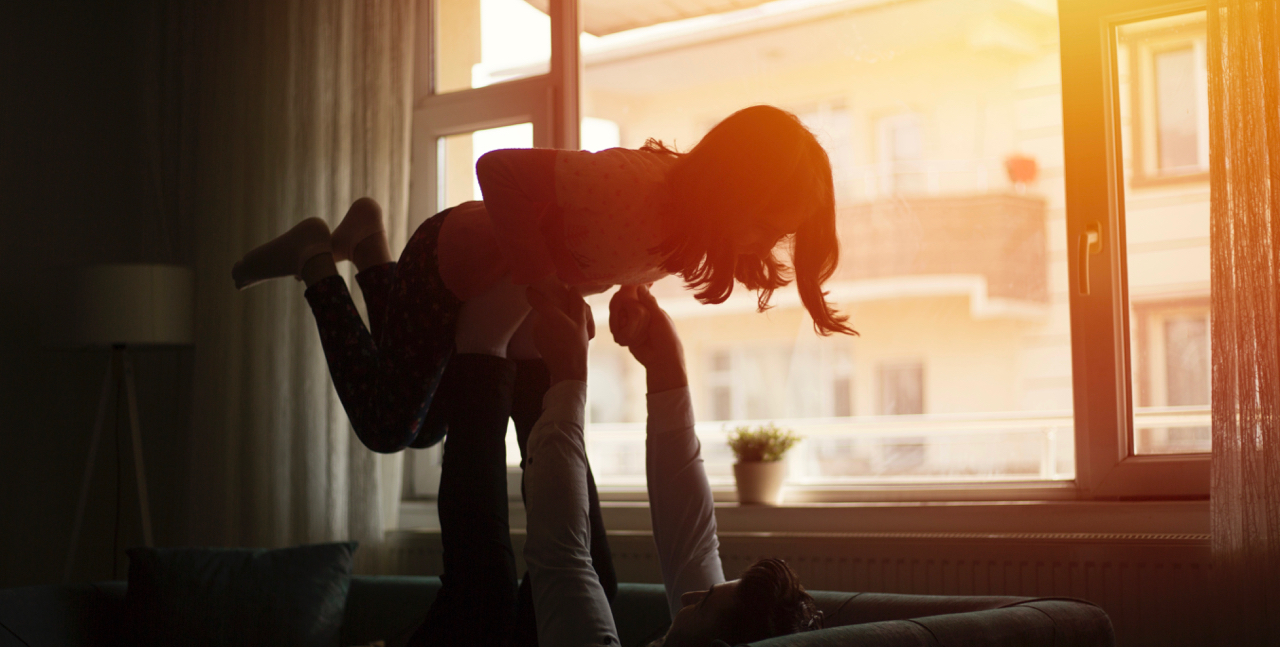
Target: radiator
[{"x": 1153, "y": 586}]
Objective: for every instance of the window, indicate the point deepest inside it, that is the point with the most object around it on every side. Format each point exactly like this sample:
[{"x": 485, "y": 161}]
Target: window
[
  {"x": 1017, "y": 301},
  {"x": 902, "y": 389},
  {"x": 832, "y": 123},
  {"x": 482, "y": 42},
  {"x": 1167, "y": 98},
  {"x": 901, "y": 154},
  {"x": 1140, "y": 248},
  {"x": 1172, "y": 371}
]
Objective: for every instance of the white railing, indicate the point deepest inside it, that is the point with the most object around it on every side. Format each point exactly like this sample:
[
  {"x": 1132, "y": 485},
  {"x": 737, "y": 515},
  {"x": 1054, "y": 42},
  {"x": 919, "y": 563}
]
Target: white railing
[{"x": 892, "y": 449}]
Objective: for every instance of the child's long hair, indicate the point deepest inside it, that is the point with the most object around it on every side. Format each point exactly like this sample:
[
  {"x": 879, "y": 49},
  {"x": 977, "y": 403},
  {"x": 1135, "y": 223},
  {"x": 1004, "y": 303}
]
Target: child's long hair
[{"x": 749, "y": 165}]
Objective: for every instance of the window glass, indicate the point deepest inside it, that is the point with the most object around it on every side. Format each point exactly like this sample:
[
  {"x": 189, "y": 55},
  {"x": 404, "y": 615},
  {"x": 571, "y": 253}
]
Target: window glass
[
  {"x": 942, "y": 119},
  {"x": 1176, "y": 121},
  {"x": 480, "y": 42},
  {"x": 1166, "y": 226},
  {"x": 459, "y": 153}
]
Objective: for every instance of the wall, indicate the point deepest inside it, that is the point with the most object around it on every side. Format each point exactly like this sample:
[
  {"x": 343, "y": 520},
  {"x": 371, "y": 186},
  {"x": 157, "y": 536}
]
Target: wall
[{"x": 73, "y": 180}]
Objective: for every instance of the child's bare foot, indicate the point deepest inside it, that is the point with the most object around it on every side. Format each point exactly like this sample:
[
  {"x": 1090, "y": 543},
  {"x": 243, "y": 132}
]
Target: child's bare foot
[
  {"x": 284, "y": 255},
  {"x": 360, "y": 237}
]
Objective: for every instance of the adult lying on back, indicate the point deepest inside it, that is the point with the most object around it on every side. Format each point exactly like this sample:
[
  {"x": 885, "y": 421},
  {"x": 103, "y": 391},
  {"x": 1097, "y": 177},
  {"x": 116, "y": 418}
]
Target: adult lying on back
[{"x": 569, "y": 602}]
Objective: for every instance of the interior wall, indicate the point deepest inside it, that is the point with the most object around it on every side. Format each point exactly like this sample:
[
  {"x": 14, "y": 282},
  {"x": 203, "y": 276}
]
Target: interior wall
[{"x": 76, "y": 190}]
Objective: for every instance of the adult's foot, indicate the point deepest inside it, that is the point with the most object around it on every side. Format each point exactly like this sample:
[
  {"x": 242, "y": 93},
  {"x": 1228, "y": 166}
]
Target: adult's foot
[
  {"x": 284, "y": 255},
  {"x": 361, "y": 237}
]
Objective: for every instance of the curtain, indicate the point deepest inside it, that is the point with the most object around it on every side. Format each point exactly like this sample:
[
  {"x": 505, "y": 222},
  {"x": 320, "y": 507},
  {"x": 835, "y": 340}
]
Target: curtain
[
  {"x": 301, "y": 107},
  {"x": 1244, "y": 86}
]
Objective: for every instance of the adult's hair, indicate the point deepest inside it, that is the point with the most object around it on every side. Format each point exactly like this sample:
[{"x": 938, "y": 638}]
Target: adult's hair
[
  {"x": 755, "y": 163},
  {"x": 770, "y": 601}
]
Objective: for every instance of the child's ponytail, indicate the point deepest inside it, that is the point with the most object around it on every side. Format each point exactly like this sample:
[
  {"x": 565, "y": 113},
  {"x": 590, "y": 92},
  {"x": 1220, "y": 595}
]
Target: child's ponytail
[{"x": 815, "y": 252}]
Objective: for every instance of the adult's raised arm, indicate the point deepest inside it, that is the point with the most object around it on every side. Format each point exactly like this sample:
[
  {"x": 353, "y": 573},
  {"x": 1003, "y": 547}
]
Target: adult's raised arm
[{"x": 680, "y": 501}]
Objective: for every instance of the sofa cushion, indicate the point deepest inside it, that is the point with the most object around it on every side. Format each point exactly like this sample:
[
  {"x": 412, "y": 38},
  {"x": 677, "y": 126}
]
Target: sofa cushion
[
  {"x": 233, "y": 596},
  {"x": 387, "y": 608}
]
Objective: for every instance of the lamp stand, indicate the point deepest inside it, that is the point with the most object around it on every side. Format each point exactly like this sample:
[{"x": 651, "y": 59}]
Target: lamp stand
[{"x": 119, "y": 373}]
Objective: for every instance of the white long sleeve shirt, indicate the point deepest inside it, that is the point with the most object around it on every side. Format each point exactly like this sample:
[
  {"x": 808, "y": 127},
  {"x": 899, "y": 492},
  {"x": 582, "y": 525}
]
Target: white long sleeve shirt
[{"x": 569, "y": 602}]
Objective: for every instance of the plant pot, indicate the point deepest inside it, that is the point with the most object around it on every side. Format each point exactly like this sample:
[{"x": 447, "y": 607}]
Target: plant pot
[{"x": 760, "y": 482}]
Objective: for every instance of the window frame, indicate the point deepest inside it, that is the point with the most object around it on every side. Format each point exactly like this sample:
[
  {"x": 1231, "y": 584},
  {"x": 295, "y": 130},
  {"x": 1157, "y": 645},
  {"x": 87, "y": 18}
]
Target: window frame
[
  {"x": 551, "y": 102},
  {"x": 1106, "y": 466}
]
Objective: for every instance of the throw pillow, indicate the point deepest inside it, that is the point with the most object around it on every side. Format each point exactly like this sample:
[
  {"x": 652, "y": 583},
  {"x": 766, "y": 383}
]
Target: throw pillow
[{"x": 218, "y": 597}]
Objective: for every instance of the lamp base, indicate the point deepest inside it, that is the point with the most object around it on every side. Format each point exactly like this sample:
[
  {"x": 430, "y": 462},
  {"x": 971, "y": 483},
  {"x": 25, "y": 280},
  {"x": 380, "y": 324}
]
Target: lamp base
[{"x": 119, "y": 374}]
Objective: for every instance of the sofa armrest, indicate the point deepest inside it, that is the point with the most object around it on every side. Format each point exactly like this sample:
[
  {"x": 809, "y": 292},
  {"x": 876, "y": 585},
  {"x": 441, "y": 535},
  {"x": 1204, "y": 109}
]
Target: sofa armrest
[{"x": 73, "y": 615}]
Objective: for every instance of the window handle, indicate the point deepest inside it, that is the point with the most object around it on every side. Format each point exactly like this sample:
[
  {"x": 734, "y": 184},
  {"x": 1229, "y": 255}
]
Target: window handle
[{"x": 1090, "y": 245}]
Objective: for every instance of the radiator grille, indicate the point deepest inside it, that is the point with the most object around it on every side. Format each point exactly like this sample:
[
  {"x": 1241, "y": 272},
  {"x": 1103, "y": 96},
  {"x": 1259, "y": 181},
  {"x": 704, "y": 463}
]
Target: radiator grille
[{"x": 1154, "y": 587}]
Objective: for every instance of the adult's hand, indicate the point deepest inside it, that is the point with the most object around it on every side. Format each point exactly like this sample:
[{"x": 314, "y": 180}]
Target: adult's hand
[
  {"x": 562, "y": 330},
  {"x": 654, "y": 342}
]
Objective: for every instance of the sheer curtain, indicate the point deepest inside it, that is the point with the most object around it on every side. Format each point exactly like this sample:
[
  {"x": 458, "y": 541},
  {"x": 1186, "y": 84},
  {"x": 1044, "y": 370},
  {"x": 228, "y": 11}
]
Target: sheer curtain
[
  {"x": 302, "y": 106},
  {"x": 1244, "y": 80}
]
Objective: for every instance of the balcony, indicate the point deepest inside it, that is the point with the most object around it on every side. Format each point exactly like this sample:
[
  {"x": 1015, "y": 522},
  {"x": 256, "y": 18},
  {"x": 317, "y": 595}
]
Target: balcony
[{"x": 991, "y": 245}]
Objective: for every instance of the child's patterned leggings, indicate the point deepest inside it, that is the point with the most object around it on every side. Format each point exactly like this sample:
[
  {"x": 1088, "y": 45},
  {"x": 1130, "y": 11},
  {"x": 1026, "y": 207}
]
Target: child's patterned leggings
[{"x": 386, "y": 377}]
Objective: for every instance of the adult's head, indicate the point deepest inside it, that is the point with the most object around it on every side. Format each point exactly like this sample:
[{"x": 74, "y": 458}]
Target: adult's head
[
  {"x": 756, "y": 178},
  {"x": 766, "y": 601}
]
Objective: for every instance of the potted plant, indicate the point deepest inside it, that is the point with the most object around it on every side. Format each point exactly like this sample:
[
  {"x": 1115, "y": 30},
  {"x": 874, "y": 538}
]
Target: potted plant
[{"x": 759, "y": 470}]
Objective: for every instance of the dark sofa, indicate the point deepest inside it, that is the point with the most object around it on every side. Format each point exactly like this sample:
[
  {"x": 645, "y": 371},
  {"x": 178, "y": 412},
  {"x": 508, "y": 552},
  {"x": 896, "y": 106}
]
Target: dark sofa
[{"x": 387, "y": 608}]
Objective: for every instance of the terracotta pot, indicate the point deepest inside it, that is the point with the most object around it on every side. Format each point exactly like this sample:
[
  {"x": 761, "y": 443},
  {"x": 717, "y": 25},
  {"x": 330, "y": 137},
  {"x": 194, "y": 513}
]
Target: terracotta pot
[{"x": 760, "y": 482}]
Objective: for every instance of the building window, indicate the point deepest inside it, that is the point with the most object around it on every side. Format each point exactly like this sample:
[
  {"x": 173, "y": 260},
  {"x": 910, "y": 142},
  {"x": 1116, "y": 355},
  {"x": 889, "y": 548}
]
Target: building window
[
  {"x": 902, "y": 389},
  {"x": 1172, "y": 363},
  {"x": 901, "y": 154},
  {"x": 902, "y": 393},
  {"x": 1168, "y": 105},
  {"x": 1175, "y": 114},
  {"x": 832, "y": 125}
]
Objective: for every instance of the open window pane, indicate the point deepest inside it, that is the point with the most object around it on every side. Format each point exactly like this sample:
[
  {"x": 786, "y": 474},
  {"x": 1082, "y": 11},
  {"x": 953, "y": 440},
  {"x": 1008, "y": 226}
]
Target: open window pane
[
  {"x": 1164, "y": 134},
  {"x": 458, "y": 155},
  {"x": 942, "y": 119},
  {"x": 481, "y": 42}
]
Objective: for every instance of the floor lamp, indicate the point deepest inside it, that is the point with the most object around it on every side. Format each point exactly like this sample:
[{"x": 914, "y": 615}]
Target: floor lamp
[{"x": 119, "y": 306}]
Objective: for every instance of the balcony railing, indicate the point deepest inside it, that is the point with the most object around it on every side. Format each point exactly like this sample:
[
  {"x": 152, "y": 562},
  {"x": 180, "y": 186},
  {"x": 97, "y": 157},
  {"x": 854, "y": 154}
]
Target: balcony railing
[
  {"x": 998, "y": 236},
  {"x": 885, "y": 450}
]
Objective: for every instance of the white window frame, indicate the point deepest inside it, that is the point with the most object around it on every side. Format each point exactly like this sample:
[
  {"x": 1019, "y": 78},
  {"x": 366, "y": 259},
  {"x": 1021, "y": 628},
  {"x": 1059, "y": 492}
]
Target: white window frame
[
  {"x": 551, "y": 102},
  {"x": 1106, "y": 467}
]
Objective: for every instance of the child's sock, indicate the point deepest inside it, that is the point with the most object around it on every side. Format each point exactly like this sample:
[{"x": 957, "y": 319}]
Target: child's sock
[
  {"x": 363, "y": 219},
  {"x": 283, "y": 255}
]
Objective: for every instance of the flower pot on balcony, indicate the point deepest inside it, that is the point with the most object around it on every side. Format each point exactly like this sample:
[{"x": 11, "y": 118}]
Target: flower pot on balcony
[{"x": 760, "y": 482}]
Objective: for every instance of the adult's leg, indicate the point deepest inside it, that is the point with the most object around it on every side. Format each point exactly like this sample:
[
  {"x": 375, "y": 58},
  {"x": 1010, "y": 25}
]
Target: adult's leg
[{"x": 477, "y": 599}]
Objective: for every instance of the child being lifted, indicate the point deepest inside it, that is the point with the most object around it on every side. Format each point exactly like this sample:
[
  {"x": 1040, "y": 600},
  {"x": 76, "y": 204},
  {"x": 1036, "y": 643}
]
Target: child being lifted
[{"x": 625, "y": 217}]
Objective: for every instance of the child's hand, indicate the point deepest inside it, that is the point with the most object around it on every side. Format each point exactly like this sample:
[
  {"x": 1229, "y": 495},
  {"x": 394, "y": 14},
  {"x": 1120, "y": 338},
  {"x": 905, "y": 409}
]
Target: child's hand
[
  {"x": 562, "y": 330},
  {"x": 655, "y": 345}
]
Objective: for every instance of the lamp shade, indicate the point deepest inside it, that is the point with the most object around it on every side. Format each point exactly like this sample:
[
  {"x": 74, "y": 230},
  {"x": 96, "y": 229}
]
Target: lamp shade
[{"x": 133, "y": 304}]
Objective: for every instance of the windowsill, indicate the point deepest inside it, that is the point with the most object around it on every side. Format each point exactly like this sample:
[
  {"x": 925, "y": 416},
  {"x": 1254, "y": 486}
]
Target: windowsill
[{"x": 1184, "y": 520}]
